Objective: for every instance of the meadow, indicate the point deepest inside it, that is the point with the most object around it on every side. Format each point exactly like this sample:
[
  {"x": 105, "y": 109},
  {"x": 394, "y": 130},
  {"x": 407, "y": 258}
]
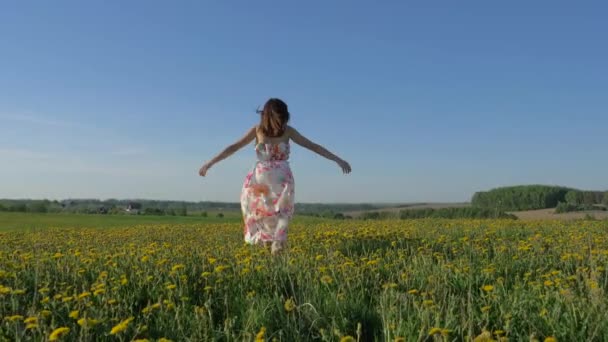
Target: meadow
[{"x": 193, "y": 279}]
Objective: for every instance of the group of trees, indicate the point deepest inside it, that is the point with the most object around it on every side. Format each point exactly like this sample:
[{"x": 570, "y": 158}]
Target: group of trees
[
  {"x": 577, "y": 200},
  {"x": 32, "y": 206},
  {"x": 577, "y": 197},
  {"x": 524, "y": 197}
]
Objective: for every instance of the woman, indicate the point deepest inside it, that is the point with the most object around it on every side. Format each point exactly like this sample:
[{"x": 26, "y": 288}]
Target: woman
[{"x": 267, "y": 197}]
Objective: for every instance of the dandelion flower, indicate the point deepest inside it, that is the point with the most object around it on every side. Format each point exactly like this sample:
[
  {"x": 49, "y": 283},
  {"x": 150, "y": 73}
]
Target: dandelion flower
[
  {"x": 259, "y": 337},
  {"x": 122, "y": 326},
  {"x": 290, "y": 305},
  {"x": 326, "y": 279},
  {"x": 58, "y": 333},
  {"x": 488, "y": 288}
]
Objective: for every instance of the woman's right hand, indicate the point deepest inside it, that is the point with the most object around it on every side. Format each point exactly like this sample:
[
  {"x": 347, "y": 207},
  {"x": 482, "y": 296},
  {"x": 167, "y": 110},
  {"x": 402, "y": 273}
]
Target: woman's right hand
[
  {"x": 344, "y": 166},
  {"x": 203, "y": 171}
]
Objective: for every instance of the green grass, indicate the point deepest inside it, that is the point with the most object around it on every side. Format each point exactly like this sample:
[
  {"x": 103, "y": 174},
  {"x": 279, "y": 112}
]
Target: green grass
[{"x": 28, "y": 221}]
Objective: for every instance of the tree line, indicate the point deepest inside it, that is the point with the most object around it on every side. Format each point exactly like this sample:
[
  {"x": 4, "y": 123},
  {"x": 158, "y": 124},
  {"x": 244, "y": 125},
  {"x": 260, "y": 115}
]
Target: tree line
[
  {"x": 158, "y": 207},
  {"x": 531, "y": 197}
]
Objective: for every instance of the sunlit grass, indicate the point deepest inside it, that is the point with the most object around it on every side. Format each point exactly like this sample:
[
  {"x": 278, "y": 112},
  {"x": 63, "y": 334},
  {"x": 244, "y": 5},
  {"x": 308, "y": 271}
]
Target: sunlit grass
[{"x": 435, "y": 280}]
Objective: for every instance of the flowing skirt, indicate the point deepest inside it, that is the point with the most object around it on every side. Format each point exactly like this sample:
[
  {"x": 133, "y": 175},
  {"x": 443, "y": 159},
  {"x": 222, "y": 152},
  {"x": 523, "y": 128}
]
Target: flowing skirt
[{"x": 267, "y": 203}]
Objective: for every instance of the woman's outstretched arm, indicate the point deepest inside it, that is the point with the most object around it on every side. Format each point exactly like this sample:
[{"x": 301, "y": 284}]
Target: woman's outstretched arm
[
  {"x": 304, "y": 142},
  {"x": 228, "y": 151}
]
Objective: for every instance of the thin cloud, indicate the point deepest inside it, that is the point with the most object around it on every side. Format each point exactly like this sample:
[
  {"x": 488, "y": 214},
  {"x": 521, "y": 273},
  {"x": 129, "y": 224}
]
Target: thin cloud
[
  {"x": 129, "y": 151},
  {"x": 23, "y": 153},
  {"x": 39, "y": 121}
]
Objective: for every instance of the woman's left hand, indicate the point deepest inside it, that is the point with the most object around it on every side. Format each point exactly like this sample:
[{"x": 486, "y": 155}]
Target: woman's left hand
[{"x": 344, "y": 166}]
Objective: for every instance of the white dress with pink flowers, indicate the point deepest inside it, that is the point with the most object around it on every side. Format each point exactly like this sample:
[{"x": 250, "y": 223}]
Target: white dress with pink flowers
[{"x": 267, "y": 198}]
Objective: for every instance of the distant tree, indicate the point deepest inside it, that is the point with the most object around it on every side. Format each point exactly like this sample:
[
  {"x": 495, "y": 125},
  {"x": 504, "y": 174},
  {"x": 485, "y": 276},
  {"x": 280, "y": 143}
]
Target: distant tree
[
  {"x": 574, "y": 197},
  {"x": 38, "y": 207},
  {"x": 339, "y": 216},
  {"x": 605, "y": 200},
  {"x": 182, "y": 211},
  {"x": 2, "y": 208},
  {"x": 204, "y": 214},
  {"x": 370, "y": 215},
  {"x": 18, "y": 207},
  {"x": 220, "y": 215},
  {"x": 154, "y": 211}
]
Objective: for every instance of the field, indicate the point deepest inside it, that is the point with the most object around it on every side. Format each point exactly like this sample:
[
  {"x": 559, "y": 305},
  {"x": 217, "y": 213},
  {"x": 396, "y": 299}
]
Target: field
[{"x": 420, "y": 280}]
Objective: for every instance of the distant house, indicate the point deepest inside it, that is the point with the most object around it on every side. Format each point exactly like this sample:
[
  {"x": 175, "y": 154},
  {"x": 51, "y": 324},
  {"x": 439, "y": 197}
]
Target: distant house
[{"x": 133, "y": 208}]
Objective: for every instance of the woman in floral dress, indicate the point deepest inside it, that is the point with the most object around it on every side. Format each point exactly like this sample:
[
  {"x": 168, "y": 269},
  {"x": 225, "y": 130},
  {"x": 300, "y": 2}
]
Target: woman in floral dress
[{"x": 267, "y": 197}]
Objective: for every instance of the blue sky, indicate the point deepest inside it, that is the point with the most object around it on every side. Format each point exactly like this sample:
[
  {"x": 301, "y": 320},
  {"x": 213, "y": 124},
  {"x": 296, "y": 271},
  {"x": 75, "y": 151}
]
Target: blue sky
[{"x": 427, "y": 101}]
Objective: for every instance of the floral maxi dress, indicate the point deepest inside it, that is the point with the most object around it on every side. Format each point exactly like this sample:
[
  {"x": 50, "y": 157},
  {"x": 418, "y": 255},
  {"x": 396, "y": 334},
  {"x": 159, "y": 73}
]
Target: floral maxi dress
[{"x": 267, "y": 197}]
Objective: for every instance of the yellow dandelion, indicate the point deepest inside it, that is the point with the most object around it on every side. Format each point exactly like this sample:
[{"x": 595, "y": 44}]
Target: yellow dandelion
[
  {"x": 488, "y": 288},
  {"x": 485, "y": 336},
  {"x": 177, "y": 267},
  {"x": 14, "y": 318},
  {"x": 58, "y": 333},
  {"x": 122, "y": 326},
  {"x": 289, "y": 305},
  {"x": 412, "y": 291},
  {"x": 87, "y": 322},
  {"x": 326, "y": 279},
  {"x": 435, "y": 331},
  {"x": 259, "y": 337},
  {"x": 84, "y": 295},
  {"x": 74, "y": 314},
  {"x": 31, "y": 326},
  {"x": 550, "y": 339},
  {"x": 162, "y": 339},
  {"x": 348, "y": 339},
  {"x": 29, "y": 320}
]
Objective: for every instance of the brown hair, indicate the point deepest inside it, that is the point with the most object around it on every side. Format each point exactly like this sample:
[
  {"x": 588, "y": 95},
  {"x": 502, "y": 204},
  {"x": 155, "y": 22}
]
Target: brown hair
[{"x": 273, "y": 118}]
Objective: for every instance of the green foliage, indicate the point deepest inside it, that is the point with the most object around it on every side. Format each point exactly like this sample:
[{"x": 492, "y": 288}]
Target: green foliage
[
  {"x": 569, "y": 207},
  {"x": 370, "y": 215},
  {"x": 154, "y": 211},
  {"x": 220, "y": 215},
  {"x": 455, "y": 213},
  {"x": 605, "y": 200},
  {"x": 578, "y": 197},
  {"x": 204, "y": 214},
  {"x": 524, "y": 197}
]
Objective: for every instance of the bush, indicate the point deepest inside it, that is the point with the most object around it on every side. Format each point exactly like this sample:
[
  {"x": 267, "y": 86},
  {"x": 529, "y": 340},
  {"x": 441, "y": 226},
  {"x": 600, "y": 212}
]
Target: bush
[
  {"x": 370, "y": 215},
  {"x": 204, "y": 214},
  {"x": 565, "y": 207},
  {"x": 220, "y": 215}
]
